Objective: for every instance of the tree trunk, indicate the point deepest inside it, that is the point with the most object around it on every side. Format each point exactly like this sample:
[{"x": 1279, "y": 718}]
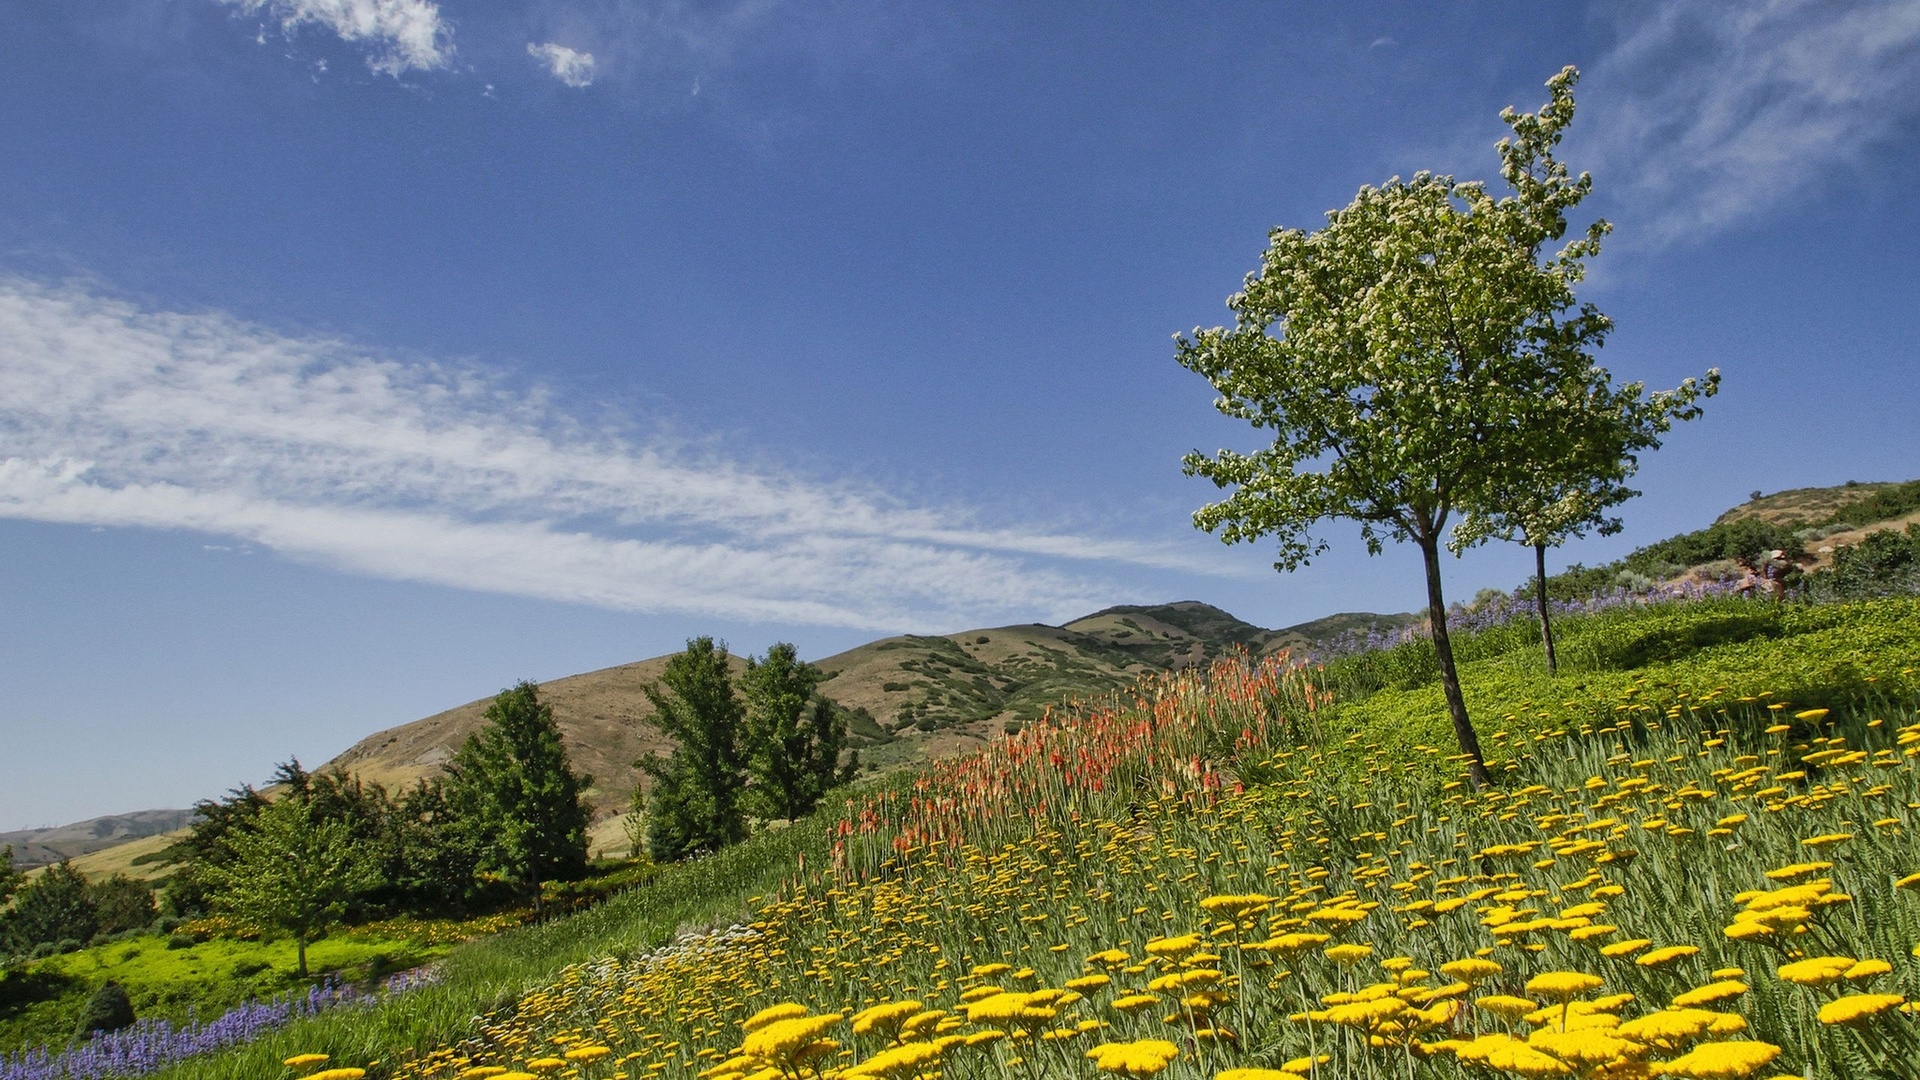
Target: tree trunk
[
  {"x": 1540, "y": 592},
  {"x": 1449, "y": 677},
  {"x": 300, "y": 944}
]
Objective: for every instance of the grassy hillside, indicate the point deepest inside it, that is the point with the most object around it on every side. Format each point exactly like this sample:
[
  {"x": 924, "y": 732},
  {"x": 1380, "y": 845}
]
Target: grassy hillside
[
  {"x": 1153, "y": 877},
  {"x": 913, "y": 697}
]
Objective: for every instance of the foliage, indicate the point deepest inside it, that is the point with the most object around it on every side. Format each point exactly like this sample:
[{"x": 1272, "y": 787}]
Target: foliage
[
  {"x": 292, "y": 872},
  {"x": 53, "y": 906},
  {"x": 695, "y": 803},
  {"x": 1885, "y": 563},
  {"x": 794, "y": 737},
  {"x": 1412, "y": 358},
  {"x": 1884, "y": 504},
  {"x": 199, "y": 854},
  {"x": 121, "y": 904},
  {"x": 108, "y": 1009},
  {"x": 512, "y": 788},
  {"x": 9, "y": 877}
]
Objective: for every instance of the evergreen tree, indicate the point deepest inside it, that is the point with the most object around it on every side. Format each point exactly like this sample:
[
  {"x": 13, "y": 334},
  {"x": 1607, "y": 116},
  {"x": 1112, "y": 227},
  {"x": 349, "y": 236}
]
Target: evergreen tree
[
  {"x": 53, "y": 907},
  {"x": 109, "y": 1009},
  {"x": 518, "y": 796},
  {"x": 695, "y": 801},
  {"x": 794, "y": 738}
]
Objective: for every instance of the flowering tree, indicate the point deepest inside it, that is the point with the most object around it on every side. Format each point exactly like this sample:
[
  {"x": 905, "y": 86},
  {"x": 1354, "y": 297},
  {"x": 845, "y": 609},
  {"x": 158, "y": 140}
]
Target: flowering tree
[{"x": 1401, "y": 356}]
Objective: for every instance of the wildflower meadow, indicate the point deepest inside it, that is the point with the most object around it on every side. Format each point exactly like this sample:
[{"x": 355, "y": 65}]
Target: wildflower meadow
[{"x": 1218, "y": 877}]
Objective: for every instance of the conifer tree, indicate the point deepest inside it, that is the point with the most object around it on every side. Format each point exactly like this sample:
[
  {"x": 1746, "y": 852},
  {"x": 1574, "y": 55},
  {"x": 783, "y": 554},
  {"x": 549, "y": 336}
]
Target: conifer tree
[
  {"x": 694, "y": 803},
  {"x": 519, "y": 798},
  {"x": 794, "y": 736}
]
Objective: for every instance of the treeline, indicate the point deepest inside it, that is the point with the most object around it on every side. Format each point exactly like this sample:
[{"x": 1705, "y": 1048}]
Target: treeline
[
  {"x": 1746, "y": 541},
  {"x": 503, "y": 824},
  {"x": 771, "y": 750},
  {"x": 60, "y": 910}
]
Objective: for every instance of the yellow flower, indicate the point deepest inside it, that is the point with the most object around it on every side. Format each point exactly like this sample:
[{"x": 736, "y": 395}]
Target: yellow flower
[
  {"x": 1622, "y": 948},
  {"x": 1817, "y": 970},
  {"x": 301, "y": 1061},
  {"x": 1173, "y": 947},
  {"x": 1798, "y": 870},
  {"x": 1349, "y": 954},
  {"x": 1506, "y": 1006},
  {"x": 898, "y": 1062},
  {"x": 588, "y": 1053},
  {"x": 783, "y": 1039},
  {"x": 337, "y": 1074},
  {"x": 1257, "y": 1074},
  {"x": 1235, "y": 906},
  {"x": 1143, "y": 1057},
  {"x": 1586, "y": 1046},
  {"x": 1471, "y": 971},
  {"x": 1911, "y": 881},
  {"x": 1134, "y": 1002},
  {"x": 1089, "y": 982},
  {"x": 544, "y": 1064},
  {"x": 885, "y": 1019},
  {"x": 1717, "y": 1060},
  {"x": 1710, "y": 993},
  {"x": 1287, "y": 944},
  {"x": 1826, "y": 839},
  {"x": 1867, "y": 969},
  {"x": 1563, "y": 984},
  {"x": 1854, "y": 1007},
  {"x": 1667, "y": 955},
  {"x": 783, "y": 1011}
]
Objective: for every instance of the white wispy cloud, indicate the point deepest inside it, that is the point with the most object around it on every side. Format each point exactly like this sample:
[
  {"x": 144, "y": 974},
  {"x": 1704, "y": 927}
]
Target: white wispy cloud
[
  {"x": 113, "y": 415},
  {"x": 570, "y": 66},
  {"x": 1709, "y": 112},
  {"x": 402, "y": 35}
]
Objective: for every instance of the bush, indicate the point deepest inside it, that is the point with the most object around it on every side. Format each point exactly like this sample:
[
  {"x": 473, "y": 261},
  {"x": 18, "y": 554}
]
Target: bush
[
  {"x": 1886, "y": 563},
  {"x": 109, "y": 1009}
]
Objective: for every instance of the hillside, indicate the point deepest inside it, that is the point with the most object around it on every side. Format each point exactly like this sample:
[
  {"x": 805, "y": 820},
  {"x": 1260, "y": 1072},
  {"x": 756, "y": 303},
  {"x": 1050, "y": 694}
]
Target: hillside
[
  {"x": 912, "y": 697},
  {"x": 39, "y": 847}
]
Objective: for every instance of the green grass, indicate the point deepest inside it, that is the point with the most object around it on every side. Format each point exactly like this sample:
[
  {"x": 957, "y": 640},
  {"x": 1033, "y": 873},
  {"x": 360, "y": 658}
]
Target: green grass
[
  {"x": 42, "y": 1004},
  {"x": 1858, "y": 658}
]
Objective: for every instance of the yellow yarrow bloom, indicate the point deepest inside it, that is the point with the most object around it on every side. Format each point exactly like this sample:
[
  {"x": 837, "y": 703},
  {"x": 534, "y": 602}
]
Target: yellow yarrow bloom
[
  {"x": 337, "y": 1074},
  {"x": 899, "y": 1062},
  {"x": 1257, "y": 1074},
  {"x": 1722, "y": 1060},
  {"x": 301, "y": 1061},
  {"x": 1349, "y": 954},
  {"x": 1817, "y": 970},
  {"x": 1563, "y": 984},
  {"x": 1506, "y": 1006},
  {"x": 1854, "y": 1007},
  {"x": 1471, "y": 971},
  {"x": 1143, "y": 1057},
  {"x": 783, "y": 1011},
  {"x": 1666, "y": 955},
  {"x": 1710, "y": 993},
  {"x": 1622, "y": 948}
]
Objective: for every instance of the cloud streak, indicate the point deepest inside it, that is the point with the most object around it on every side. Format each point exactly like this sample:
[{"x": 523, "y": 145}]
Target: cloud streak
[
  {"x": 403, "y": 35},
  {"x": 111, "y": 415},
  {"x": 1713, "y": 113}
]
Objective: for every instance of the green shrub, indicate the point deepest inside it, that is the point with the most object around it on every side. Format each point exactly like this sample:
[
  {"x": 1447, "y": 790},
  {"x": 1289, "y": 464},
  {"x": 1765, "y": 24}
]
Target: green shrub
[{"x": 109, "y": 1009}]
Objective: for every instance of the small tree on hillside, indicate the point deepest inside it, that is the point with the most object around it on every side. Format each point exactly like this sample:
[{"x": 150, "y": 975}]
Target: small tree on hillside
[
  {"x": 794, "y": 738},
  {"x": 51, "y": 907},
  {"x": 291, "y": 872},
  {"x": 1397, "y": 355},
  {"x": 1585, "y": 440},
  {"x": 694, "y": 801},
  {"x": 511, "y": 784}
]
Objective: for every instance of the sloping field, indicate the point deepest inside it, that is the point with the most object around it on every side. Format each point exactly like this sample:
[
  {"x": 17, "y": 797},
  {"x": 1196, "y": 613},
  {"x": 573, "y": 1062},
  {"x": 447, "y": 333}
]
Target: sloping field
[{"x": 1699, "y": 863}]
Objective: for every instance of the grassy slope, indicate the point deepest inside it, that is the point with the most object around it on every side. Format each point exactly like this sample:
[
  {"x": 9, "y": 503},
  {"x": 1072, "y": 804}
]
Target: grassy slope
[{"x": 1855, "y": 656}]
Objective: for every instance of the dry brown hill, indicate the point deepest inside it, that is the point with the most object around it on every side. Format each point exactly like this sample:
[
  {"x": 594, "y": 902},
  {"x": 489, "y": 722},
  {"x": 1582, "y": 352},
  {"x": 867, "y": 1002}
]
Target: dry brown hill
[
  {"x": 39, "y": 847},
  {"x": 912, "y": 697}
]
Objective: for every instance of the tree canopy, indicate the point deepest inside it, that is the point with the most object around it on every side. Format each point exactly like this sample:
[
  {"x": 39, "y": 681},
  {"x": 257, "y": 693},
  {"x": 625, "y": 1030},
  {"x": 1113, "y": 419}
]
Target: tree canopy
[
  {"x": 291, "y": 871},
  {"x": 513, "y": 789},
  {"x": 1404, "y": 357},
  {"x": 694, "y": 804},
  {"x": 794, "y": 737}
]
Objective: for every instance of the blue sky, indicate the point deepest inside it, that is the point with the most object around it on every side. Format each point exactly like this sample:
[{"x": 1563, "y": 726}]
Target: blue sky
[{"x": 360, "y": 357}]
